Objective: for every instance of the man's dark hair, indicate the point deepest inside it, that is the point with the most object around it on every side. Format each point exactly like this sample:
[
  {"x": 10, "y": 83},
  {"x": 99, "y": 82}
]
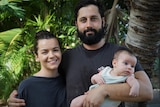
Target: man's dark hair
[{"x": 84, "y": 3}]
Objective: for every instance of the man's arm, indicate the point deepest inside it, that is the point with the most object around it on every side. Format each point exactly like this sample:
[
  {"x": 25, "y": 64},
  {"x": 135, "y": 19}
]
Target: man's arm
[
  {"x": 145, "y": 91},
  {"x": 120, "y": 91},
  {"x": 15, "y": 102}
]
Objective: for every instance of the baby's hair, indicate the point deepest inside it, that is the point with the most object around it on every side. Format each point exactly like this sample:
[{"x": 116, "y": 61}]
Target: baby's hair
[{"x": 122, "y": 49}]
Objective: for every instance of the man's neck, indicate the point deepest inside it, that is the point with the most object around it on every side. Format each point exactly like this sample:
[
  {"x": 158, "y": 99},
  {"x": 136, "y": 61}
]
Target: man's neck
[{"x": 95, "y": 46}]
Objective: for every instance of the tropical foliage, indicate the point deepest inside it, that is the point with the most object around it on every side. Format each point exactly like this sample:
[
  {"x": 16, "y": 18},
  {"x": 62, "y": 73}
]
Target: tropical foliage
[{"x": 18, "y": 27}]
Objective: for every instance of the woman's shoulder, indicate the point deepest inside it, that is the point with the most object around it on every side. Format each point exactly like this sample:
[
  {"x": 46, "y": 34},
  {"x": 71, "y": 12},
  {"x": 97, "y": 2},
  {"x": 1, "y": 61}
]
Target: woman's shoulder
[{"x": 26, "y": 82}]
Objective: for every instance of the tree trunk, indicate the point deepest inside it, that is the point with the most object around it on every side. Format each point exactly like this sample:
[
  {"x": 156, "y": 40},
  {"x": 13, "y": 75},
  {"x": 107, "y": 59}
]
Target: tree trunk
[{"x": 143, "y": 36}]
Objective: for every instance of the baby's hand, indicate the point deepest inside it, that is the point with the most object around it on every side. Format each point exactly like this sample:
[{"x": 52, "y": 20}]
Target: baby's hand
[
  {"x": 97, "y": 79},
  {"x": 100, "y": 68},
  {"x": 134, "y": 91}
]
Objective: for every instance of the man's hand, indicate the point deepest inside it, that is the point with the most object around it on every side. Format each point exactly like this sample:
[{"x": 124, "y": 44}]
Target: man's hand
[
  {"x": 15, "y": 102},
  {"x": 95, "y": 97}
]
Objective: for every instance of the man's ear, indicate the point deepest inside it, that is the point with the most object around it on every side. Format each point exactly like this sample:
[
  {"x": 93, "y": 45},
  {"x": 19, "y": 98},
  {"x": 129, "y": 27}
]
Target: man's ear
[
  {"x": 103, "y": 21},
  {"x": 75, "y": 23}
]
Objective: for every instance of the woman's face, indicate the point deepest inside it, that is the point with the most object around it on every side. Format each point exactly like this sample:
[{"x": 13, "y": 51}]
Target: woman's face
[{"x": 49, "y": 54}]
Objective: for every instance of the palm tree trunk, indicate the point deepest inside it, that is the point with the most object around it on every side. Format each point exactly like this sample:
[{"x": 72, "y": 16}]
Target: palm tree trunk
[{"x": 143, "y": 35}]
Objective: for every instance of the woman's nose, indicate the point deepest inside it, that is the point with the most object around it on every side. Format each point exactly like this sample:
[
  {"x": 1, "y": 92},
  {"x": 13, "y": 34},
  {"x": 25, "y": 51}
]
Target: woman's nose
[{"x": 51, "y": 54}]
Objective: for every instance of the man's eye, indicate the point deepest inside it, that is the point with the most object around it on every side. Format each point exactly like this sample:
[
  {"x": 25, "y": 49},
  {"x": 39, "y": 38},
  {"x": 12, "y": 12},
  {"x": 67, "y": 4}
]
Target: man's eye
[
  {"x": 83, "y": 20},
  {"x": 55, "y": 50},
  {"x": 94, "y": 18}
]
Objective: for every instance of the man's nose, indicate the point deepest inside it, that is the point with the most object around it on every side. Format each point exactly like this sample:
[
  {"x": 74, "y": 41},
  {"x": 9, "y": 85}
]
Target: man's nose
[{"x": 89, "y": 23}]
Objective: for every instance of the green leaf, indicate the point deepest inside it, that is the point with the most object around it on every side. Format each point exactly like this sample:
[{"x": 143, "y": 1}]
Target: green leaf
[
  {"x": 10, "y": 35},
  {"x": 3, "y": 2}
]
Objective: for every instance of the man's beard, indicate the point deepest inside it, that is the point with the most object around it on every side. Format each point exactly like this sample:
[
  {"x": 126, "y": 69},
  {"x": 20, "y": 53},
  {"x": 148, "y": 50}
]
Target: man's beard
[{"x": 91, "y": 39}]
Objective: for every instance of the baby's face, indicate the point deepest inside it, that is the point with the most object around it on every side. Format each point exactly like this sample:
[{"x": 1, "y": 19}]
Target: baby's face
[{"x": 125, "y": 64}]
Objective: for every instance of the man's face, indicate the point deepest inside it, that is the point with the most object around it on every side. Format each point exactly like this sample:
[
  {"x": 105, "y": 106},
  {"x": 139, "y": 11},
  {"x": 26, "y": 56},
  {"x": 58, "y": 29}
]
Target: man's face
[{"x": 89, "y": 25}]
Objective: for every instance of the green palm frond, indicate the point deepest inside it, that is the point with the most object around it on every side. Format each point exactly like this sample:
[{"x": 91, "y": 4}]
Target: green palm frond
[
  {"x": 9, "y": 37},
  {"x": 16, "y": 61},
  {"x": 40, "y": 23},
  {"x": 15, "y": 67}
]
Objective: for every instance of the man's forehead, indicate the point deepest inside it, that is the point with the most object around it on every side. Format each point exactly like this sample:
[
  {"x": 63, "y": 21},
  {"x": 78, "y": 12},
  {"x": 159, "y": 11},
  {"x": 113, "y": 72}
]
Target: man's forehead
[{"x": 90, "y": 10}]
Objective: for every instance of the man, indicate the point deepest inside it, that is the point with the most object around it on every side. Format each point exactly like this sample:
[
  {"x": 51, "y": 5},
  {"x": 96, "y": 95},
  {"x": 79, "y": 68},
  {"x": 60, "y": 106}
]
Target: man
[{"x": 83, "y": 61}]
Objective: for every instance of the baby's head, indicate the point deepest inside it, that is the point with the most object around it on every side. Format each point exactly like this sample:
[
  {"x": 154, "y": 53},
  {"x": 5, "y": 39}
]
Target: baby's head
[{"x": 124, "y": 61}]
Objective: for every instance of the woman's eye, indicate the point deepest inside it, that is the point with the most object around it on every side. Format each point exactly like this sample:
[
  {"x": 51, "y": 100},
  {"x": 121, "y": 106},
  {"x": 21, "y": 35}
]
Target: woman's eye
[{"x": 44, "y": 52}]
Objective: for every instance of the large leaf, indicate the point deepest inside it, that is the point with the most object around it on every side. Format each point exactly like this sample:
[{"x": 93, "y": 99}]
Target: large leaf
[
  {"x": 9, "y": 37},
  {"x": 11, "y": 8}
]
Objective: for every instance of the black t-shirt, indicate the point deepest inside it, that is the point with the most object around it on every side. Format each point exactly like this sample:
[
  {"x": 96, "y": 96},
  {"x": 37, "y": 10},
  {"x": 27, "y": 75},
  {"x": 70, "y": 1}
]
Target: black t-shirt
[
  {"x": 80, "y": 64},
  {"x": 43, "y": 92}
]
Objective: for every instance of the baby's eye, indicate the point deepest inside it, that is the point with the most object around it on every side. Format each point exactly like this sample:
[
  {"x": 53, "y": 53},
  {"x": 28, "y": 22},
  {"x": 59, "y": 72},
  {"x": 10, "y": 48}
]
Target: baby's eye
[
  {"x": 132, "y": 66},
  {"x": 125, "y": 63}
]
